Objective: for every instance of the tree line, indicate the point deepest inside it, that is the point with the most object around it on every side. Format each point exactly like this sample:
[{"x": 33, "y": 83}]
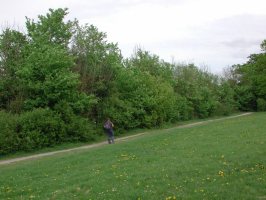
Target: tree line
[{"x": 59, "y": 80}]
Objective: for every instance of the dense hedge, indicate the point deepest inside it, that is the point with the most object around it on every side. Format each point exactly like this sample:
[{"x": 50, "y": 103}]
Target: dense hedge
[
  {"x": 9, "y": 140},
  {"x": 40, "y": 128}
]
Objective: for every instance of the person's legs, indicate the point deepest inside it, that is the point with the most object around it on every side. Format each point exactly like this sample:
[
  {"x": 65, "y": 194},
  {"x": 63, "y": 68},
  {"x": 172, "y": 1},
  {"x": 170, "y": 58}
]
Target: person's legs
[
  {"x": 108, "y": 136},
  {"x": 111, "y": 137}
]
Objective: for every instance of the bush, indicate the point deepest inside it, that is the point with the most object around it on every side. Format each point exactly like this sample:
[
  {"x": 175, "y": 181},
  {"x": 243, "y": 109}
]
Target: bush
[
  {"x": 40, "y": 128},
  {"x": 261, "y": 104},
  {"x": 9, "y": 141},
  {"x": 185, "y": 109},
  {"x": 77, "y": 128},
  {"x": 224, "y": 109},
  {"x": 245, "y": 98}
]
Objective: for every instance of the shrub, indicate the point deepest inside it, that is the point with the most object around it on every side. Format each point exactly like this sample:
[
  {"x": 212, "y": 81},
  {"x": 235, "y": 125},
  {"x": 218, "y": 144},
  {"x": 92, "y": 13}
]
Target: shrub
[
  {"x": 40, "y": 128},
  {"x": 224, "y": 109},
  {"x": 185, "y": 109},
  {"x": 76, "y": 128},
  {"x": 9, "y": 141},
  {"x": 79, "y": 129},
  {"x": 261, "y": 104}
]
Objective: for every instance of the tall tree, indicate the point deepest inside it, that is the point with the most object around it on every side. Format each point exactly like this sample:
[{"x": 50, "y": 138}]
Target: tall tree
[
  {"x": 147, "y": 62},
  {"x": 46, "y": 72},
  {"x": 12, "y": 46},
  {"x": 97, "y": 62},
  {"x": 251, "y": 84},
  {"x": 197, "y": 87}
]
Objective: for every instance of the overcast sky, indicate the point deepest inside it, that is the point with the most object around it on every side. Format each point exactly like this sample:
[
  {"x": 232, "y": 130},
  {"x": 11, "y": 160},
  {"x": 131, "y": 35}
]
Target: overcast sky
[{"x": 213, "y": 33}]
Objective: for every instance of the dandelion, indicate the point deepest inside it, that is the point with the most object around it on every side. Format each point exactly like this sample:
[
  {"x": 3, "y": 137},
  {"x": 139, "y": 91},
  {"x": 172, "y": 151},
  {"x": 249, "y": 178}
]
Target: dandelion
[
  {"x": 221, "y": 173},
  {"x": 170, "y": 198},
  {"x": 8, "y": 189},
  {"x": 114, "y": 166},
  {"x": 244, "y": 170}
]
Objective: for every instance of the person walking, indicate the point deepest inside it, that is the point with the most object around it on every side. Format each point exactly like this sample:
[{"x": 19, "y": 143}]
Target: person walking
[{"x": 108, "y": 127}]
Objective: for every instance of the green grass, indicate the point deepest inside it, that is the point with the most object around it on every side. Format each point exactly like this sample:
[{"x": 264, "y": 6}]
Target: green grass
[{"x": 220, "y": 160}]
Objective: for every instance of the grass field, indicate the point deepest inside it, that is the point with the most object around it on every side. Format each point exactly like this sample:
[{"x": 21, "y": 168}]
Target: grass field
[{"x": 220, "y": 160}]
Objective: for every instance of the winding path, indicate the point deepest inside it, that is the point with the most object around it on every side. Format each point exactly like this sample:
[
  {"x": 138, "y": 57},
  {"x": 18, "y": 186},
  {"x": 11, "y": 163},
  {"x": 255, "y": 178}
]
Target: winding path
[{"x": 9, "y": 161}]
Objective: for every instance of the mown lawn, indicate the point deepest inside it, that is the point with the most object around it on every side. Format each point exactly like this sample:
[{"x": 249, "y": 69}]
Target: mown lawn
[{"x": 220, "y": 160}]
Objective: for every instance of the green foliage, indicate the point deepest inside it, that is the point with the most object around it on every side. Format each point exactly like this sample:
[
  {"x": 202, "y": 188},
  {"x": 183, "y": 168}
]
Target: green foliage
[
  {"x": 261, "y": 104},
  {"x": 83, "y": 104},
  {"x": 77, "y": 128},
  {"x": 9, "y": 141},
  {"x": 50, "y": 29},
  {"x": 226, "y": 103},
  {"x": 198, "y": 89},
  {"x": 245, "y": 98},
  {"x": 204, "y": 103},
  {"x": 36, "y": 72},
  {"x": 96, "y": 60},
  {"x": 42, "y": 128},
  {"x": 73, "y": 76},
  {"x": 147, "y": 62},
  {"x": 46, "y": 72},
  {"x": 30, "y": 130},
  {"x": 263, "y": 45},
  {"x": 12, "y": 44},
  {"x": 251, "y": 82},
  {"x": 80, "y": 130},
  {"x": 39, "y": 128},
  {"x": 141, "y": 99},
  {"x": 184, "y": 107},
  {"x": 255, "y": 71}
]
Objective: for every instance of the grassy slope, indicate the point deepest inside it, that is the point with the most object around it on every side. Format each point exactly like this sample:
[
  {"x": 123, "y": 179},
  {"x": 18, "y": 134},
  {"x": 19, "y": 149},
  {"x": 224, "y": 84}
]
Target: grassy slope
[
  {"x": 102, "y": 137},
  {"x": 221, "y": 160}
]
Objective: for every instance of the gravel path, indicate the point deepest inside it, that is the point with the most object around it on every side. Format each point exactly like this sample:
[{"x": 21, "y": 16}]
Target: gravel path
[{"x": 9, "y": 161}]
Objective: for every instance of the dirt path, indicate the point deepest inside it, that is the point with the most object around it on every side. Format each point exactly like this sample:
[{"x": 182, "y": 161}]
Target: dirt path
[{"x": 5, "y": 162}]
